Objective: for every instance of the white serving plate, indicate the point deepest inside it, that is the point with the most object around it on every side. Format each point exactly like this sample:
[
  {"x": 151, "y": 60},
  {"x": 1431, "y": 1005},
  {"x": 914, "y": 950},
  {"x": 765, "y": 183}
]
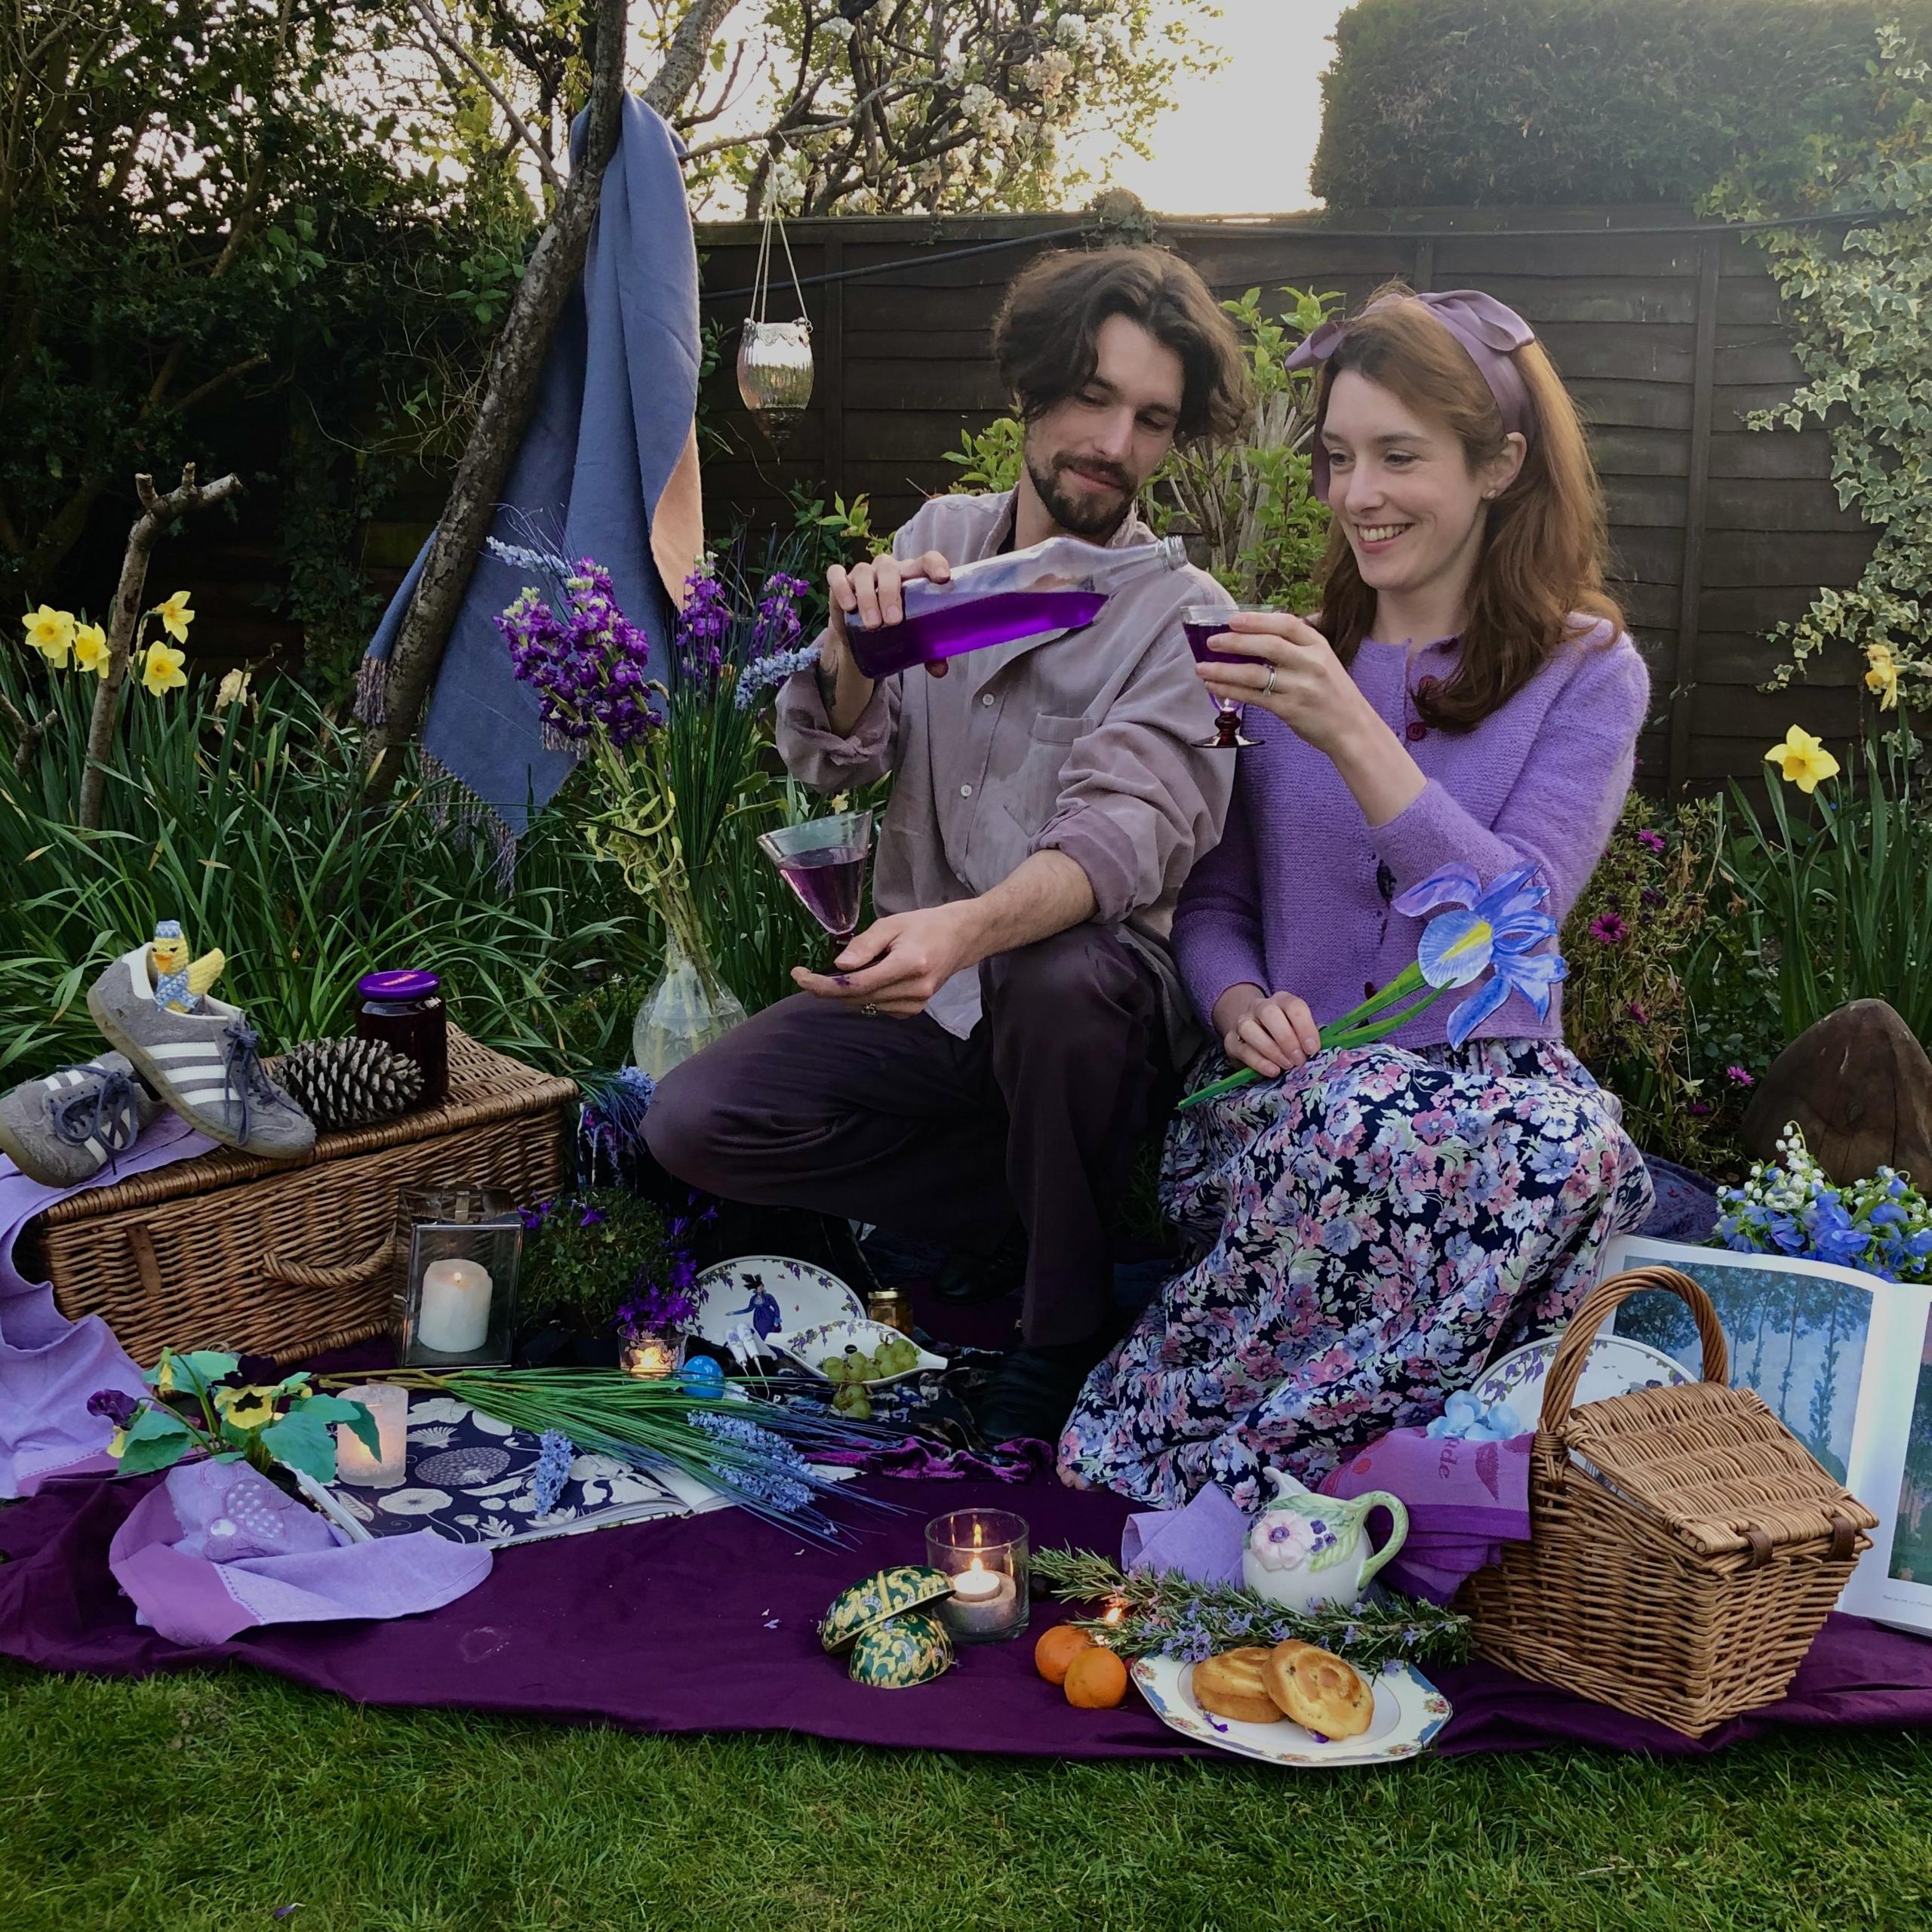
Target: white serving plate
[
  {"x": 806, "y": 1297},
  {"x": 810, "y": 1347},
  {"x": 1409, "y": 1711},
  {"x": 1616, "y": 1365}
]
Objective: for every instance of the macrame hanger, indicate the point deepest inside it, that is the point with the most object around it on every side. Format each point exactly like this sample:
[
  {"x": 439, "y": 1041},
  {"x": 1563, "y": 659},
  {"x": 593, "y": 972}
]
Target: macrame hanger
[{"x": 761, "y": 279}]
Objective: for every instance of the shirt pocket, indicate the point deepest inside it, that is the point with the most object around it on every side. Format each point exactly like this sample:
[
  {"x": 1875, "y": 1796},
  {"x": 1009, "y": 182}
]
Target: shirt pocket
[{"x": 1035, "y": 795}]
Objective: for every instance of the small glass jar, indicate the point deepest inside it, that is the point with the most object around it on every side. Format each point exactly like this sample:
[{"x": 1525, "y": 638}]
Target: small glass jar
[
  {"x": 891, "y": 1308},
  {"x": 984, "y": 1552},
  {"x": 405, "y": 1010}
]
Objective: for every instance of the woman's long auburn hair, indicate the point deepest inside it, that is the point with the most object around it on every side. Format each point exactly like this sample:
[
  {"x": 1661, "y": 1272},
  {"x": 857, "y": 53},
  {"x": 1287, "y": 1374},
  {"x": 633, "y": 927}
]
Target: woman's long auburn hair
[{"x": 1539, "y": 579}]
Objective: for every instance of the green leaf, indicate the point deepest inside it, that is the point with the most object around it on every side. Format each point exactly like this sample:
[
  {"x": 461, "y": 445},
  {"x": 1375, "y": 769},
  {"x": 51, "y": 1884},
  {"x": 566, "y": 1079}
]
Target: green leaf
[
  {"x": 304, "y": 1442},
  {"x": 156, "y": 1439},
  {"x": 196, "y": 1373},
  {"x": 337, "y": 1408}
]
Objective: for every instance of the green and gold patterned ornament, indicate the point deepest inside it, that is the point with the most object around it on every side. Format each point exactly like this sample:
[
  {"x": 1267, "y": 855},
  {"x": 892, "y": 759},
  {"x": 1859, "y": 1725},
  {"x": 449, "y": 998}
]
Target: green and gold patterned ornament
[
  {"x": 884, "y": 1595},
  {"x": 912, "y": 1647}
]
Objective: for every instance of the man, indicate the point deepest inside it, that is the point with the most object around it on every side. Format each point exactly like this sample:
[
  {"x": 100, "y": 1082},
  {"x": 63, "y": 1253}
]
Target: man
[{"x": 987, "y": 1048}]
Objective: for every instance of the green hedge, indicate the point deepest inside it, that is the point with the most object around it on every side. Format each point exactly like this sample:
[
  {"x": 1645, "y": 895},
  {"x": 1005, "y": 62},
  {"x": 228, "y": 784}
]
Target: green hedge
[{"x": 1468, "y": 102}]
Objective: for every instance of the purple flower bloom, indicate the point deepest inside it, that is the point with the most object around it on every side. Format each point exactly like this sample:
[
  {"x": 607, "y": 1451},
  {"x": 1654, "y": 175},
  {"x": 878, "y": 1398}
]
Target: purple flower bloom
[
  {"x": 114, "y": 1406},
  {"x": 1609, "y": 929},
  {"x": 556, "y": 1452},
  {"x": 1738, "y": 1077},
  {"x": 1639, "y": 1014},
  {"x": 1654, "y": 840}
]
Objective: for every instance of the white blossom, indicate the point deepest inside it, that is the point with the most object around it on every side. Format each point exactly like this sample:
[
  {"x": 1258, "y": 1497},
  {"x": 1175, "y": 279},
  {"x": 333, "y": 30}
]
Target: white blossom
[
  {"x": 1072, "y": 29},
  {"x": 838, "y": 26},
  {"x": 953, "y": 74},
  {"x": 978, "y": 102}
]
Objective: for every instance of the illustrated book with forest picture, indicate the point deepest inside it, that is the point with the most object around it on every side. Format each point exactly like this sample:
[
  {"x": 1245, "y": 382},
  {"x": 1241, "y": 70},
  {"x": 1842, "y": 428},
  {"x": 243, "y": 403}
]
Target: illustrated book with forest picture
[{"x": 1843, "y": 1359}]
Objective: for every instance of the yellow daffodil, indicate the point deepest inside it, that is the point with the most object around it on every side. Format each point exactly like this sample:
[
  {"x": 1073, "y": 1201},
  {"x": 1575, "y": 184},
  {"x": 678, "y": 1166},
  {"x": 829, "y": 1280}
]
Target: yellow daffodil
[
  {"x": 91, "y": 649},
  {"x": 160, "y": 669},
  {"x": 1802, "y": 760},
  {"x": 51, "y": 632},
  {"x": 233, "y": 689},
  {"x": 1881, "y": 675},
  {"x": 175, "y": 616},
  {"x": 251, "y": 1408}
]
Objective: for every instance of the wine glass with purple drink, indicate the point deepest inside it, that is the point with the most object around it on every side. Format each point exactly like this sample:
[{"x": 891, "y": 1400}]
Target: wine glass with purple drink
[
  {"x": 823, "y": 861},
  {"x": 1201, "y": 622}
]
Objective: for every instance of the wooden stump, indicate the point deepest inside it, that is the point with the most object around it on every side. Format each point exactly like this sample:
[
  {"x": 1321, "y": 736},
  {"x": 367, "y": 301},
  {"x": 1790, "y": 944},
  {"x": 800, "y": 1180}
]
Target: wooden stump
[{"x": 1860, "y": 1086}]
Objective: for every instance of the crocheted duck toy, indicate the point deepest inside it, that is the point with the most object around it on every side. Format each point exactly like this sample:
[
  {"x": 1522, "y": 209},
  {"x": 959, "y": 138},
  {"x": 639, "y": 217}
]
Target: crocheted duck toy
[{"x": 179, "y": 981}]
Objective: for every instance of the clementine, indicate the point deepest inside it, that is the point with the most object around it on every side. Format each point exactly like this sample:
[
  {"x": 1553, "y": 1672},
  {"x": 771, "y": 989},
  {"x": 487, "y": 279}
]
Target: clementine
[
  {"x": 1056, "y": 1649},
  {"x": 1097, "y": 1679}
]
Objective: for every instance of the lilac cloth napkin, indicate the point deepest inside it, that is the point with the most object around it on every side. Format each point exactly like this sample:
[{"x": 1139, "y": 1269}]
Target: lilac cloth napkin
[
  {"x": 50, "y": 1366},
  {"x": 1203, "y": 1539},
  {"x": 217, "y": 1549},
  {"x": 1465, "y": 1499}
]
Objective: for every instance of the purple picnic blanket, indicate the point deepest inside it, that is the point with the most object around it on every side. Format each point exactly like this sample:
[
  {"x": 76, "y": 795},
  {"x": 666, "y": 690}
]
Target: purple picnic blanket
[
  {"x": 50, "y": 1366},
  {"x": 707, "y": 1624}
]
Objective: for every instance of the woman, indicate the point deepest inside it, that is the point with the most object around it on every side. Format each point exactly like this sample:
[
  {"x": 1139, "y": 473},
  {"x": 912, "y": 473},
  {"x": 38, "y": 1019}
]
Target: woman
[{"x": 1379, "y": 1222}]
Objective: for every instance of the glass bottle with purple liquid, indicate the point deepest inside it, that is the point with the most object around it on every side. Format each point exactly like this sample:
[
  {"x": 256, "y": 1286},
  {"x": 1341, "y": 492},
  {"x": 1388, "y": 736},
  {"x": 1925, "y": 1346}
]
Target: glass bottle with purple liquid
[{"x": 1059, "y": 585}]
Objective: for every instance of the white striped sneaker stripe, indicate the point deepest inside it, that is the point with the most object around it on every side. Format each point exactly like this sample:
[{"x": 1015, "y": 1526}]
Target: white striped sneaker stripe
[
  {"x": 96, "y": 1148},
  {"x": 206, "y": 1069},
  {"x": 196, "y": 1095},
  {"x": 181, "y": 1049}
]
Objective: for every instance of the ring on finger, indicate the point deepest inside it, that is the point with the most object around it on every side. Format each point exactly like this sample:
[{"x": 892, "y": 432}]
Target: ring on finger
[
  {"x": 869, "y": 1010},
  {"x": 1267, "y": 690}
]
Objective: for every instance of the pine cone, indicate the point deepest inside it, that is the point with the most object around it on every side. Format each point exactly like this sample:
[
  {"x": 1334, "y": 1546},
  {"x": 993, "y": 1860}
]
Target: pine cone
[{"x": 350, "y": 1082}]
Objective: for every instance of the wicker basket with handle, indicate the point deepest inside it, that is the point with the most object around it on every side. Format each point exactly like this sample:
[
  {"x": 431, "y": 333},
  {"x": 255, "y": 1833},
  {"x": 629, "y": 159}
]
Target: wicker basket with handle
[
  {"x": 227, "y": 1251},
  {"x": 1684, "y": 1546}
]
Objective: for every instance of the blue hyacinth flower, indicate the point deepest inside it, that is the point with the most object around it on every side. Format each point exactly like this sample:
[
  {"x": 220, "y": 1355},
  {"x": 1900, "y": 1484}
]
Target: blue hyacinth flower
[{"x": 1496, "y": 929}]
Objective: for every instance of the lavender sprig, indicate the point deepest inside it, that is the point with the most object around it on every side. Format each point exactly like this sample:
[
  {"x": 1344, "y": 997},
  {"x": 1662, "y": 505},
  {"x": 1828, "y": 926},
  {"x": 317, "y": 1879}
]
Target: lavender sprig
[{"x": 556, "y": 1452}]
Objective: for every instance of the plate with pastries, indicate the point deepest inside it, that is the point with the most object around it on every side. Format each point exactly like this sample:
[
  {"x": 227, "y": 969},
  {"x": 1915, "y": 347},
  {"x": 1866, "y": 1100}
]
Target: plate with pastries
[{"x": 1295, "y": 1704}]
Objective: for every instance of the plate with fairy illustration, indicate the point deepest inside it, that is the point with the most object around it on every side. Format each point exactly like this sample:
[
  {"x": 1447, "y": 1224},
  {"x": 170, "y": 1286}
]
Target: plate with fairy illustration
[
  {"x": 769, "y": 1297},
  {"x": 1409, "y": 1711}
]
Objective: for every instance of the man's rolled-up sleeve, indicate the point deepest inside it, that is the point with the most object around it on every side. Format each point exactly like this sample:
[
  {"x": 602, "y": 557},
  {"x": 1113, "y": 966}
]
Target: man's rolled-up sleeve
[
  {"x": 816, "y": 755},
  {"x": 1139, "y": 802}
]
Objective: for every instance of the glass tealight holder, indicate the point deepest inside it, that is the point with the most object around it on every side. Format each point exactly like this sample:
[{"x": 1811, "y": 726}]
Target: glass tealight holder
[
  {"x": 460, "y": 1247},
  {"x": 651, "y": 1358},
  {"x": 984, "y": 1552}
]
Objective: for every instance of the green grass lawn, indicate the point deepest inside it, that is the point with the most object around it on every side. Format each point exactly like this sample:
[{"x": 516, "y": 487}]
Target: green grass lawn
[{"x": 201, "y": 1803}]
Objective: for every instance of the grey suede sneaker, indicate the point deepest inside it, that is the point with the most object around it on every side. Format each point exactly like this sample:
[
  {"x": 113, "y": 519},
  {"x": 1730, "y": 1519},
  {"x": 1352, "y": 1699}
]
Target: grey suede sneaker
[
  {"x": 64, "y": 1129},
  {"x": 206, "y": 1065}
]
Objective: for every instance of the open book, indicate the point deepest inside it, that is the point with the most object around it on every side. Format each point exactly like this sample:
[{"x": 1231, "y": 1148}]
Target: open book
[
  {"x": 1844, "y": 1361},
  {"x": 469, "y": 1478}
]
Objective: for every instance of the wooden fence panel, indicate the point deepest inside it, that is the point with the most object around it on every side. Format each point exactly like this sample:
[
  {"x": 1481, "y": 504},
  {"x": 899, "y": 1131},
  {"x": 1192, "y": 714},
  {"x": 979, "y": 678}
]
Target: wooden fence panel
[{"x": 1667, "y": 340}]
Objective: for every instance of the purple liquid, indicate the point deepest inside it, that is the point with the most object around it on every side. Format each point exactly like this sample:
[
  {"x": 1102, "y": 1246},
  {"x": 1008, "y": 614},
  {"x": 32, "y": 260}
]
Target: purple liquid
[
  {"x": 971, "y": 624},
  {"x": 830, "y": 885},
  {"x": 1198, "y": 635}
]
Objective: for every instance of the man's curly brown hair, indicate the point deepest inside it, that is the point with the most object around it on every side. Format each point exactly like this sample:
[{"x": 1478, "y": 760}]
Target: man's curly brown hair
[{"x": 1044, "y": 340}]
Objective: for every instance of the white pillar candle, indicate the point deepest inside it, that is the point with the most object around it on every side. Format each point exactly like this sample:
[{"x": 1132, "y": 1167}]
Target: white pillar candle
[
  {"x": 453, "y": 1315},
  {"x": 983, "y": 1601},
  {"x": 389, "y": 1403}
]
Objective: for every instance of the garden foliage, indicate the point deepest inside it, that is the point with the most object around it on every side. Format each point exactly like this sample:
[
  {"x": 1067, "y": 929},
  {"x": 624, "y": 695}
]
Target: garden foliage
[{"x": 1501, "y": 102}]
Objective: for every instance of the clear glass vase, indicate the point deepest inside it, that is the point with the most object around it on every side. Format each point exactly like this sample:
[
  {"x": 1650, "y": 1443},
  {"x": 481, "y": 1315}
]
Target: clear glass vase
[{"x": 688, "y": 1008}]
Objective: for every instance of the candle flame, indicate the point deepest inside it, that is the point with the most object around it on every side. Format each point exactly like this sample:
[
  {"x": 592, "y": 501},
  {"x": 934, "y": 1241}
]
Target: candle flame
[
  {"x": 976, "y": 1564},
  {"x": 979, "y": 1537},
  {"x": 1116, "y": 1612}
]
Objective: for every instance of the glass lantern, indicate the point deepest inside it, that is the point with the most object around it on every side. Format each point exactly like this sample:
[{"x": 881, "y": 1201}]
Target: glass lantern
[{"x": 460, "y": 1248}]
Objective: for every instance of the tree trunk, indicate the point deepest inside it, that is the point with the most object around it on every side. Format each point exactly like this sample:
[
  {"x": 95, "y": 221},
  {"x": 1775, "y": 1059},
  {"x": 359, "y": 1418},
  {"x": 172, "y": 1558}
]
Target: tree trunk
[
  {"x": 157, "y": 513},
  {"x": 509, "y": 392}
]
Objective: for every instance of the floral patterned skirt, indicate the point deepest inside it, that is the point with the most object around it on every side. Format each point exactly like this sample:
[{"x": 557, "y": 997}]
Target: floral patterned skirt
[{"x": 1375, "y": 1227}]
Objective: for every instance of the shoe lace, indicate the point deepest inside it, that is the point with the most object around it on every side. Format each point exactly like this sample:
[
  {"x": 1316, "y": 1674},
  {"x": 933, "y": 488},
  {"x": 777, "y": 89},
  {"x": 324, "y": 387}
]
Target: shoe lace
[
  {"x": 104, "y": 1110},
  {"x": 243, "y": 1079}
]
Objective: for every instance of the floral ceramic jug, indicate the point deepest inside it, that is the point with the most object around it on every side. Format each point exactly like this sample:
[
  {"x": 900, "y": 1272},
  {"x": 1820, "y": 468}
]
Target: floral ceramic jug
[{"x": 1307, "y": 1550}]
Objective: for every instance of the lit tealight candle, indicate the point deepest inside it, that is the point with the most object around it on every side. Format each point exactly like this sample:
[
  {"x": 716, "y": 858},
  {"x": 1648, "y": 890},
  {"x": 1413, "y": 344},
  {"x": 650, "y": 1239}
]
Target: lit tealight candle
[
  {"x": 649, "y": 1359},
  {"x": 388, "y": 1402},
  {"x": 454, "y": 1316},
  {"x": 983, "y": 1601}
]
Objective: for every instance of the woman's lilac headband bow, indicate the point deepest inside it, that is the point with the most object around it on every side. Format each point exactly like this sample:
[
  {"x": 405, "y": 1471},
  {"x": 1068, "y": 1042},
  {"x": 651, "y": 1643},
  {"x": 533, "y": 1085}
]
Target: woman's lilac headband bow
[{"x": 1489, "y": 330}]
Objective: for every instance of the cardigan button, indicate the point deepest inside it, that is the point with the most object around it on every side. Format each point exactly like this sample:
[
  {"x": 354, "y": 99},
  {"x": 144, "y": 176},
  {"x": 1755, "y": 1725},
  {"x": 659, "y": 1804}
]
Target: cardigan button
[{"x": 1415, "y": 730}]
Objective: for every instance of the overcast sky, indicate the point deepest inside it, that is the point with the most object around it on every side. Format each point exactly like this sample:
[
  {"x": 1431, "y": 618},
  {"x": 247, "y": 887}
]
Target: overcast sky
[{"x": 1239, "y": 141}]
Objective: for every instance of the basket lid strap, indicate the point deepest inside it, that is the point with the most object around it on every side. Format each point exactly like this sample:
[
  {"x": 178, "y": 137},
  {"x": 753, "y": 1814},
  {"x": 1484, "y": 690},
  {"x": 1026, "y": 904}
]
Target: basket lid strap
[{"x": 1566, "y": 1370}]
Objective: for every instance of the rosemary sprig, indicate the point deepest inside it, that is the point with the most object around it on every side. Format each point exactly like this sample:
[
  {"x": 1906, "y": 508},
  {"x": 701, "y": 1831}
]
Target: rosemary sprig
[{"x": 1154, "y": 1612}]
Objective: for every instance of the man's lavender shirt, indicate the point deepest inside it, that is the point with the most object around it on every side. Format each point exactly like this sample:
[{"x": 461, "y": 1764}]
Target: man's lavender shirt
[{"x": 1295, "y": 898}]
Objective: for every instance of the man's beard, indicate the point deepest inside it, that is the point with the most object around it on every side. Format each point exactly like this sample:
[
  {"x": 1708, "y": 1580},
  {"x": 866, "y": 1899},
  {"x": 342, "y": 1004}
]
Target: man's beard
[{"x": 1084, "y": 516}]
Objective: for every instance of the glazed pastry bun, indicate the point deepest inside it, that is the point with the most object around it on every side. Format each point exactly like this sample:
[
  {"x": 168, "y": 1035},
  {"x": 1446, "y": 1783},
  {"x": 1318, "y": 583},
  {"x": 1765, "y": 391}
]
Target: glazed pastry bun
[
  {"x": 1232, "y": 1685},
  {"x": 1316, "y": 1688}
]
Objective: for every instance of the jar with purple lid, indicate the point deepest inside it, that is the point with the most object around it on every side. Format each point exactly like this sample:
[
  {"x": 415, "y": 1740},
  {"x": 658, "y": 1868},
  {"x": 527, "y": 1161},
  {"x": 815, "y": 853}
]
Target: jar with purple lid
[{"x": 404, "y": 1010}]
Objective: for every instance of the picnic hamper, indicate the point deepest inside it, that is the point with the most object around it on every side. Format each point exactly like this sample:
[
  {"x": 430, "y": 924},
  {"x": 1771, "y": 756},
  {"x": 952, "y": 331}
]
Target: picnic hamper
[
  {"x": 228, "y": 1251},
  {"x": 1684, "y": 1548}
]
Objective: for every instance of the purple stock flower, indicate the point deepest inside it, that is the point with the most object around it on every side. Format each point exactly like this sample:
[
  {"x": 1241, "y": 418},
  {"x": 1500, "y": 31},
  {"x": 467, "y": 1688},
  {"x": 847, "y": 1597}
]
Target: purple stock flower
[{"x": 114, "y": 1405}]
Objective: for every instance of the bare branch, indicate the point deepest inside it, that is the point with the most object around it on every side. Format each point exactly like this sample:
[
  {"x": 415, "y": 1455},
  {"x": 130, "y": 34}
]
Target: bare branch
[
  {"x": 425, "y": 13},
  {"x": 684, "y": 59}
]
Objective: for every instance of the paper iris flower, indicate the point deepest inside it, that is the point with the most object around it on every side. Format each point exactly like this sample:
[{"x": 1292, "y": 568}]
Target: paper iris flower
[{"x": 1496, "y": 931}]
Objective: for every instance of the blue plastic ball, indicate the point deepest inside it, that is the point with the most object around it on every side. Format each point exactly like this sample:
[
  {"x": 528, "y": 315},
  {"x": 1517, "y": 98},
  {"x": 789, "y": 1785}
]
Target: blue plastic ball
[{"x": 703, "y": 1372}]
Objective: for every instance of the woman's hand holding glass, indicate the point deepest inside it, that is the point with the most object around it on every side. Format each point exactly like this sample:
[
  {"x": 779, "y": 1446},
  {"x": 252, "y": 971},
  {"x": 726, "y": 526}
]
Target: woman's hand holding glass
[
  {"x": 1294, "y": 674},
  {"x": 1273, "y": 1033}
]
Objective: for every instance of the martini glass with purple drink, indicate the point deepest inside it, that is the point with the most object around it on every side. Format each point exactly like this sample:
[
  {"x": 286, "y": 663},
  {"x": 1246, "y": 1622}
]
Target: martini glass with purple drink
[
  {"x": 823, "y": 861},
  {"x": 1201, "y": 622}
]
